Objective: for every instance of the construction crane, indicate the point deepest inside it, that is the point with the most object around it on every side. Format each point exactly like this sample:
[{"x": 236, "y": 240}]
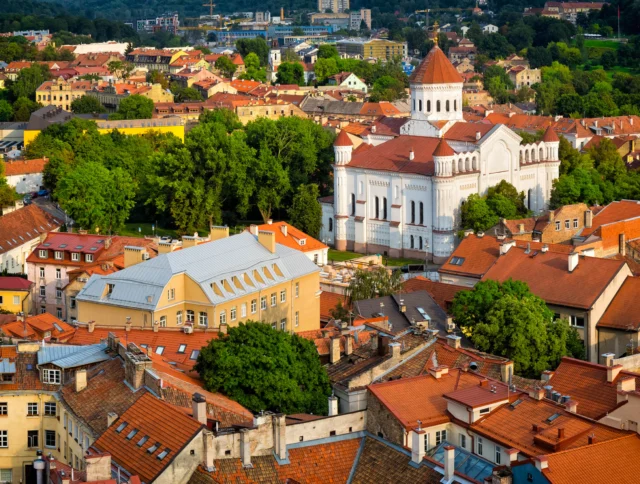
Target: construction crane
[{"x": 210, "y": 5}]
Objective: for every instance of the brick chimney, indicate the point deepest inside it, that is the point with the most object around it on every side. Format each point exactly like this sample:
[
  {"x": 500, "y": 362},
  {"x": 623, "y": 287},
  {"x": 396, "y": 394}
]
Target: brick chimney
[
  {"x": 622, "y": 245},
  {"x": 136, "y": 362},
  {"x": 91, "y": 326},
  {"x": 394, "y": 350},
  {"x": 453, "y": 341},
  {"x": 607, "y": 359},
  {"x": 134, "y": 255},
  {"x": 334, "y": 349},
  {"x": 245, "y": 449},
  {"x": 571, "y": 406},
  {"x": 348, "y": 344},
  {"x": 613, "y": 372},
  {"x": 111, "y": 417},
  {"x": 537, "y": 393}
]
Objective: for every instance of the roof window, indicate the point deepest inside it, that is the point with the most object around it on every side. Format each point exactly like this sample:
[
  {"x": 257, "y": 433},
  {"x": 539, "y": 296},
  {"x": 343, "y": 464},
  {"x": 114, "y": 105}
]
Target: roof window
[
  {"x": 182, "y": 348},
  {"x": 194, "y": 355},
  {"x": 132, "y": 434},
  {"x": 142, "y": 441},
  {"x": 154, "y": 447},
  {"x": 121, "y": 427},
  {"x": 515, "y": 404},
  {"x": 164, "y": 453},
  {"x": 552, "y": 418},
  {"x": 457, "y": 261},
  {"x": 159, "y": 350}
]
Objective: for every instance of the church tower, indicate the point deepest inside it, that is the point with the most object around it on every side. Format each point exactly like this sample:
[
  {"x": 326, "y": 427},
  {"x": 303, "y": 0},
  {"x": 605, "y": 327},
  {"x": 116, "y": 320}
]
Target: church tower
[{"x": 343, "y": 149}]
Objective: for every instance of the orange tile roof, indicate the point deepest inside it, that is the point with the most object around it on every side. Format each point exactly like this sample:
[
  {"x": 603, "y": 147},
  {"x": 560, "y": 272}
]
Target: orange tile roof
[
  {"x": 435, "y": 68},
  {"x": 441, "y": 293},
  {"x": 479, "y": 254},
  {"x": 322, "y": 338},
  {"x": 25, "y": 167},
  {"x": 482, "y": 394},
  {"x": 521, "y": 121},
  {"x": 24, "y": 225},
  {"x": 550, "y": 136},
  {"x": 293, "y": 237},
  {"x": 342, "y": 139},
  {"x": 243, "y": 86},
  {"x": 328, "y": 301},
  {"x": 614, "y": 212},
  {"x": 37, "y": 326},
  {"x": 462, "y": 131},
  {"x": 163, "y": 423},
  {"x": 548, "y": 276},
  {"x": 443, "y": 149},
  {"x": 421, "y": 397},
  {"x": 611, "y": 461},
  {"x": 624, "y": 310},
  {"x": 586, "y": 383},
  {"x": 382, "y": 108}
]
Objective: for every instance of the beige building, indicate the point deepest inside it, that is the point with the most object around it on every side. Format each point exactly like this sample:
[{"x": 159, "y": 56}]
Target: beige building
[
  {"x": 211, "y": 285},
  {"x": 111, "y": 95},
  {"x": 372, "y": 48},
  {"x": 61, "y": 93},
  {"x": 524, "y": 76}
]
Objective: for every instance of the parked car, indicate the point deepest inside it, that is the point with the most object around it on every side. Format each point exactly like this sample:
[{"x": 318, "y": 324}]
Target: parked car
[
  {"x": 43, "y": 193},
  {"x": 27, "y": 199}
]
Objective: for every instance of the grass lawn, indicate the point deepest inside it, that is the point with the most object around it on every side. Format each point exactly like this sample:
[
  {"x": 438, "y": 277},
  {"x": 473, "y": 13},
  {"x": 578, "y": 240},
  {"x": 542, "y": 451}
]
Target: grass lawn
[
  {"x": 340, "y": 256},
  {"x": 602, "y": 44},
  {"x": 131, "y": 230},
  {"x": 402, "y": 261}
]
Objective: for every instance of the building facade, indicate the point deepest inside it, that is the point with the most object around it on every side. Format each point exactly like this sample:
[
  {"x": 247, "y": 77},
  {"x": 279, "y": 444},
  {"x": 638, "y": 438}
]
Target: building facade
[{"x": 404, "y": 196}]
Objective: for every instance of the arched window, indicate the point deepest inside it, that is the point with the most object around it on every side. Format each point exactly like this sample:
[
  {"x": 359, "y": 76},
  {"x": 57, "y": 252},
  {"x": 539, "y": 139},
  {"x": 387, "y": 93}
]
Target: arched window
[
  {"x": 529, "y": 201},
  {"x": 420, "y": 243},
  {"x": 455, "y": 104},
  {"x": 330, "y": 224},
  {"x": 438, "y": 106},
  {"x": 421, "y": 213},
  {"x": 447, "y": 105},
  {"x": 428, "y": 106},
  {"x": 353, "y": 204},
  {"x": 377, "y": 208},
  {"x": 411, "y": 238},
  {"x": 541, "y": 154},
  {"x": 384, "y": 208},
  {"x": 414, "y": 104},
  {"x": 467, "y": 164},
  {"x": 413, "y": 212},
  {"x": 420, "y": 105}
]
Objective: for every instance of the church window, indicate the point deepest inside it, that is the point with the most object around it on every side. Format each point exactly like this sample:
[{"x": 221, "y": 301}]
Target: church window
[
  {"x": 455, "y": 104},
  {"x": 421, "y": 213},
  {"x": 420, "y": 243},
  {"x": 330, "y": 224},
  {"x": 412, "y": 241},
  {"x": 377, "y": 207},
  {"x": 420, "y": 105},
  {"x": 414, "y": 104},
  {"x": 428, "y": 106},
  {"x": 353, "y": 204},
  {"x": 447, "y": 105},
  {"x": 413, "y": 212},
  {"x": 438, "y": 106},
  {"x": 384, "y": 208}
]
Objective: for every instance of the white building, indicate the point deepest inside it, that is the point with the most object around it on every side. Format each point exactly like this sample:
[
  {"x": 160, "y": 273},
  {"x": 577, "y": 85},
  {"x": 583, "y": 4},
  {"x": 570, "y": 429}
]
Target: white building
[
  {"x": 348, "y": 80},
  {"x": 403, "y": 197},
  {"x": 489, "y": 29},
  {"x": 25, "y": 175}
]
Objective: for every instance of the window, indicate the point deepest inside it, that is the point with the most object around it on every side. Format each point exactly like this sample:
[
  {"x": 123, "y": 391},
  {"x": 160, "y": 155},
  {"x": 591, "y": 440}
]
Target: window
[
  {"x": 557, "y": 225},
  {"x": 163, "y": 321},
  {"x": 420, "y": 243},
  {"x": 254, "y": 306},
  {"x": 42, "y": 272},
  {"x": 274, "y": 299},
  {"x": 274, "y": 326},
  {"x": 154, "y": 447},
  {"x": 412, "y": 242},
  {"x": 4, "y": 439},
  {"x": 233, "y": 313},
  {"x": 421, "y": 213},
  {"x": 132, "y": 434},
  {"x": 58, "y": 274},
  {"x": 223, "y": 317},
  {"x": 441, "y": 436},
  {"x": 72, "y": 302},
  {"x": 32, "y": 409},
  {"x": 413, "y": 212},
  {"x": 484, "y": 411},
  {"x": 142, "y": 441},
  {"x": 43, "y": 292},
  {"x": 32, "y": 438},
  {"x": 283, "y": 296},
  {"x": 426, "y": 442},
  {"x": 50, "y": 409},
  {"x": 463, "y": 441},
  {"x": 498, "y": 455},
  {"x": 330, "y": 224},
  {"x": 353, "y": 204},
  {"x": 567, "y": 224},
  {"x": 263, "y": 302},
  {"x": 59, "y": 293},
  {"x": 57, "y": 255},
  {"x": 297, "y": 289},
  {"x": 377, "y": 208},
  {"x": 121, "y": 427},
  {"x": 163, "y": 454},
  {"x": 243, "y": 310},
  {"x": 6, "y": 475},
  {"x": 178, "y": 318},
  {"x": 438, "y": 106},
  {"x": 182, "y": 348},
  {"x": 191, "y": 316},
  {"x": 447, "y": 105},
  {"x": 576, "y": 321},
  {"x": 428, "y": 106},
  {"x": 4, "y": 408},
  {"x": 283, "y": 324},
  {"x": 194, "y": 355},
  {"x": 75, "y": 256},
  {"x": 50, "y": 438},
  {"x": 88, "y": 258},
  {"x": 159, "y": 350},
  {"x": 480, "y": 442},
  {"x": 384, "y": 208},
  {"x": 42, "y": 254},
  {"x": 43, "y": 309},
  {"x": 171, "y": 294},
  {"x": 202, "y": 318},
  {"x": 419, "y": 105},
  {"x": 575, "y": 223},
  {"x": 297, "y": 318}
]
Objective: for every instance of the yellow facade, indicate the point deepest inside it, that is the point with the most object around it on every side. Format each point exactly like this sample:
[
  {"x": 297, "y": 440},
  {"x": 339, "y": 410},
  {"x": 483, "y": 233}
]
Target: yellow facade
[
  {"x": 61, "y": 93},
  {"x": 15, "y": 301},
  {"x": 176, "y": 130},
  {"x": 298, "y": 309}
]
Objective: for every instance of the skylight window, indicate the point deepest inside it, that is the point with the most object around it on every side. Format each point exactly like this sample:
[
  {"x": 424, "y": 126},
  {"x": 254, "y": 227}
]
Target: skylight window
[
  {"x": 159, "y": 350},
  {"x": 62, "y": 246},
  {"x": 457, "y": 261},
  {"x": 132, "y": 434},
  {"x": 516, "y": 403},
  {"x": 47, "y": 244},
  {"x": 121, "y": 427},
  {"x": 142, "y": 441},
  {"x": 57, "y": 326},
  {"x": 182, "y": 348},
  {"x": 154, "y": 447},
  {"x": 164, "y": 453},
  {"x": 79, "y": 246},
  {"x": 194, "y": 355},
  {"x": 552, "y": 418}
]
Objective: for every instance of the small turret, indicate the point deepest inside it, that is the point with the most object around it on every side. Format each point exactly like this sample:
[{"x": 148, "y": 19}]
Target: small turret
[
  {"x": 343, "y": 148},
  {"x": 443, "y": 159},
  {"x": 552, "y": 144}
]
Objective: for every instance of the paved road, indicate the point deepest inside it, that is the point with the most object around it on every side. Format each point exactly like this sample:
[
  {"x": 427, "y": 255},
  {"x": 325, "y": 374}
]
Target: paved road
[{"x": 52, "y": 208}]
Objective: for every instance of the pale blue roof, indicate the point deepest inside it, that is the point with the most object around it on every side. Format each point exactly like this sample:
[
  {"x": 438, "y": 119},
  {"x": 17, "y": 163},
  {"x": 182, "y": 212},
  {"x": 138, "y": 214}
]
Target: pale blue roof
[
  {"x": 72, "y": 356},
  {"x": 6, "y": 366}
]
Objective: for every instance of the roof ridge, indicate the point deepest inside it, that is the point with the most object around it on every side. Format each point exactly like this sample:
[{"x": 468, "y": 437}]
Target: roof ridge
[{"x": 597, "y": 443}]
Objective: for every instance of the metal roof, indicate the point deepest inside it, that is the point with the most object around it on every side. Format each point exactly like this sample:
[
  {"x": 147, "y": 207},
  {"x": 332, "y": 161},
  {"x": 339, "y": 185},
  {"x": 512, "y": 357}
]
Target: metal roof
[
  {"x": 210, "y": 264},
  {"x": 72, "y": 356},
  {"x": 6, "y": 366}
]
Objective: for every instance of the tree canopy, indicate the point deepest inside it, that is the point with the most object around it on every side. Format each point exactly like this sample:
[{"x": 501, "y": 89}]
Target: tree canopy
[
  {"x": 305, "y": 212},
  {"x": 367, "y": 284},
  {"x": 265, "y": 369},
  {"x": 134, "y": 107},
  {"x": 87, "y": 105}
]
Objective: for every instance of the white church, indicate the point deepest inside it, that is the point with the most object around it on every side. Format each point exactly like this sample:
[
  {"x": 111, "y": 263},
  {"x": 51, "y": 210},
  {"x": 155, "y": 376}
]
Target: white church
[{"x": 402, "y": 197}]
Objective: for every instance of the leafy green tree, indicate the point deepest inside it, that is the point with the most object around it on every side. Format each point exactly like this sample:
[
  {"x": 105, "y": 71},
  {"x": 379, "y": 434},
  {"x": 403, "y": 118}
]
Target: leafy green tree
[
  {"x": 252, "y": 68},
  {"x": 258, "y": 46},
  {"x": 272, "y": 182},
  {"x": 571, "y": 158},
  {"x": 509, "y": 193},
  {"x": 157, "y": 77},
  {"x": 87, "y": 105},
  {"x": 120, "y": 69},
  {"x": 367, "y": 284},
  {"x": 298, "y": 32},
  {"x": 6, "y": 111},
  {"x": 134, "y": 107},
  {"x": 226, "y": 66},
  {"x": 327, "y": 51},
  {"x": 23, "y": 107},
  {"x": 305, "y": 212},
  {"x": 265, "y": 369},
  {"x": 508, "y": 320},
  {"x": 188, "y": 94},
  {"x": 476, "y": 214},
  {"x": 607, "y": 160},
  {"x": 387, "y": 88},
  {"x": 325, "y": 68},
  {"x": 290, "y": 73},
  {"x": 7, "y": 194},
  {"x": 29, "y": 80},
  {"x": 340, "y": 312}
]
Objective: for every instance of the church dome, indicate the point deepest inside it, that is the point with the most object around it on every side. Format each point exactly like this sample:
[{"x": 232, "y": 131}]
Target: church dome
[{"x": 435, "y": 68}]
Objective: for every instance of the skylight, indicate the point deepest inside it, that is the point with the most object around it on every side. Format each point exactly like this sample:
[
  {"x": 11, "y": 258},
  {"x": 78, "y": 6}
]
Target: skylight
[
  {"x": 159, "y": 350},
  {"x": 142, "y": 441},
  {"x": 62, "y": 246},
  {"x": 457, "y": 261},
  {"x": 154, "y": 447},
  {"x": 164, "y": 453},
  {"x": 79, "y": 246},
  {"x": 552, "y": 418},
  {"x": 132, "y": 434},
  {"x": 57, "y": 326},
  {"x": 182, "y": 348},
  {"x": 194, "y": 355},
  {"x": 121, "y": 427},
  {"x": 516, "y": 403},
  {"x": 47, "y": 244}
]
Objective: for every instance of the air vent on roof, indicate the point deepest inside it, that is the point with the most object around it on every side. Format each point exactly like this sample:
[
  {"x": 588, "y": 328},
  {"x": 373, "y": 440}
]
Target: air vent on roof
[
  {"x": 515, "y": 404},
  {"x": 473, "y": 365}
]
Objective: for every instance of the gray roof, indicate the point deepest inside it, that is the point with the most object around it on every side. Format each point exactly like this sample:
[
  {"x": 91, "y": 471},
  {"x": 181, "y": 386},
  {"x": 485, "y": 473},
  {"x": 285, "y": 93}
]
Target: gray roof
[
  {"x": 209, "y": 265},
  {"x": 72, "y": 356},
  {"x": 6, "y": 366},
  {"x": 318, "y": 105}
]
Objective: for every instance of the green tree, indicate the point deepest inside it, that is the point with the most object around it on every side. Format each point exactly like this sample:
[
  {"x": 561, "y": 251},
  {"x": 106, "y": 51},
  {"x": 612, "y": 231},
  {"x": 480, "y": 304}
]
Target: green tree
[
  {"x": 305, "y": 212},
  {"x": 476, "y": 214},
  {"x": 23, "y": 107},
  {"x": 327, "y": 51},
  {"x": 325, "y": 68},
  {"x": 7, "y": 194},
  {"x": 265, "y": 369},
  {"x": 367, "y": 284},
  {"x": 252, "y": 69},
  {"x": 6, "y": 111},
  {"x": 188, "y": 94},
  {"x": 226, "y": 66},
  {"x": 508, "y": 320},
  {"x": 87, "y": 105},
  {"x": 387, "y": 88},
  {"x": 508, "y": 193},
  {"x": 120, "y": 69},
  {"x": 258, "y": 46},
  {"x": 297, "y": 32},
  {"x": 134, "y": 107},
  {"x": 290, "y": 73},
  {"x": 29, "y": 80}
]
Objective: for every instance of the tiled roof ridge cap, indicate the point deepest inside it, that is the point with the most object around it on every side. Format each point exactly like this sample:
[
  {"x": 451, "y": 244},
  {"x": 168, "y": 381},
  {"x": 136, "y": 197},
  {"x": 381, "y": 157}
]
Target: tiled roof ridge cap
[{"x": 596, "y": 443}]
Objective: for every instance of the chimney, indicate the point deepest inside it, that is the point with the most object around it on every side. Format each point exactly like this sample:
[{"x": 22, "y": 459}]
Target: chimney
[
  {"x": 91, "y": 326},
  {"x": 438, "y": 371},
  {"x": 394, "y": 350},
  {"x": 283, "y": 229},
  {"x": 478, "y": 135},
  {"x": 136, "y": 362},
  {"x": 417, "y": 445},
  {"x": 217, "y": 232},
  {"x": 453, "y": 341},
  {"x": 544, "y": 249},
  {"x": 541, "y": 462},
  {"x": 402, "y": 306},
  {"x": 506, "y": 246},
  {"x": 449, "y": 462},
  {"x": 592, "y": 439},
  {"x": 573, "y": 260},
  {"x": 166, "y": 247},
  {"x": 528, "y": 249},
  {"x": 245, "y": 449},
  {"x": 561, "y": 433},
  {"x": 334, "y": 349},
  {"x": 111, "y": 417},
  {"x": 607, "y": 359},
  {"x": 333, "y": 406},
  {"x": 537, "y": 394},
  {"x": 552, "y": 216},
  {"x": 270, "y": 222},
  {"x": 546, "y": 375},
  {"x": 521, "y": 228},
  {"x": 98, "y": 467},
  {"x": 134, "y": 255},
  {"x": 588, "y": 218},
  {"x": 412, "y": 155},
  {"x": 127, "y": 325},
  {"x": 253, "y": 229},
  {"x": 348, "y": 344},
  {"x": 513, "y": 456},
  {"x": 280, "y": 436},
  {"x": 506, "y": 372},
  {"x": 622, "y": 246},
  {"x": 571, "y": 406},
  {"x": 627, "y": 384},
  {"x": 613, "y": 372},
  {"x": 81, "y": 380},
  {"x": 268, "y": 240},
  {"x": 190, "y": 240},
  {"x": 199, "y": 406},
  {"x": 156, "y": 326}
]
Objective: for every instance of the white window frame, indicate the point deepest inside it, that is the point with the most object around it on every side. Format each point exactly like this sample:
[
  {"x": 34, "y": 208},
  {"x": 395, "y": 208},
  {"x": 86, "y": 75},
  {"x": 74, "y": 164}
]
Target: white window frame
[
  {"x": 47, "y": 407},
  {"x": 223, "y": 317},
  {"x": 575, "y": 223},
  {"x": 48, "y": 433},
  {"x": 243, "y": 310},
  {"x": 88, "y": 258},
  {"x": 4, "y": 439},
  {"x": 263, "y": 302},
  {"x": 43, "y": 291},
  {"x": 171, "y": 294},
  {"x": 567, "y": 224},
  {"x": 426, "y": 442},
  {"x": 463, "y": 441},
  {"x": 51, "y": 376},
  {"x": 274, "y": 299},
  {"x": 254, "y": 306},
  {"x": 498, "y": 455},
  {"x": 283, "y": 296},
  {"x": 75, "y": 256},
  {"x": 178, "y": 318},
  {"x": 191, "y": 316},
  {"x": 58, "y": 273},
  {"x": 233, "y": 312},
  {"x": 58, "y": 255},
  {"x": 558, "y": 225},
  {"x": 163, "y": 321},
  {"x": 42, "y": 254},
  {"x": 297, "y": 289},
  {"x": 182, "y": 348},
  {"x": 203, "y": 318},
  {"x": 41, "y": 271},
  {"x": 441, "y": 436},
  {"x": 30, "y": 406},
  {"x": 283, "y": 324},
  {"x": 297, "y": 318},
  {"x": 479, "y": 444}
]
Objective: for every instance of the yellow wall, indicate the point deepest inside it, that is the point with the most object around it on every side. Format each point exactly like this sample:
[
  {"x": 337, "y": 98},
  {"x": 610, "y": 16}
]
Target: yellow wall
[
  {"x": 189, "y": 296},
  {"x": 24, "y": 298},
  {"x": 30, "y": 135}
]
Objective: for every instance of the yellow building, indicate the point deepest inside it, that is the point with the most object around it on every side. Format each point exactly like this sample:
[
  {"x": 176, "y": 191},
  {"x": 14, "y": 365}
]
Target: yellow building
[
  {"x": 62, "y": 93},
  {"x": 372, "y": 48},
  {"x": 215, "y": 284},
  {"x": 15, "y": 295}
]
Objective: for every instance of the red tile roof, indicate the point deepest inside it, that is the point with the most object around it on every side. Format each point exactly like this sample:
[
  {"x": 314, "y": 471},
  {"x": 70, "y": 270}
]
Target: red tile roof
[
  {"x": 435, "y": 68},
  {"x": 14, "y": 283},
  {"x": 328, "y": 301},
  {"x": 482, "y": 394},
  {"x": 624, "y": 310},
  {"x": 462, "y": 131},
  {"x": 614, "y": 212},
  {"x": 443, "y": 149},
  {"x": 35, "y": 327},
  {"x": 441, "y": 293},
  {"x": 24, "y": 225},
  {"x": 548, "y": 277},
  {"x": 293, "y": 237},
  {"x": 25, "y": 167},
  {"x": 550, "y": 136},
  {"x": 342, "y": 139},
  {"x": 381, "y": 108},
  {"x": 164, "y": 424},
  {"x": 479, "y": 254}
]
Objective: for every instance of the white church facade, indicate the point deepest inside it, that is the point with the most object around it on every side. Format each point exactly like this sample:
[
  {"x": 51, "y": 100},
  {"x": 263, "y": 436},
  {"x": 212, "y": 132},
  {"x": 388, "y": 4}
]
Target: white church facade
[{"x": 403, "y": 197}]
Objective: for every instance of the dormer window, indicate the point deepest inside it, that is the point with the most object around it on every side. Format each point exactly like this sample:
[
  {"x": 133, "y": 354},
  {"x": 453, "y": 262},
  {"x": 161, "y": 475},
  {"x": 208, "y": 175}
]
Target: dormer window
[
  {"x": 42, "y": 254},
  {"x": 88, "y": 258},
  {"x": 302, "y": 241},
  {"x": 75, "y": 256},
  {"x": 57, "y": 255},
  {"x": 110, "y": 289}
]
